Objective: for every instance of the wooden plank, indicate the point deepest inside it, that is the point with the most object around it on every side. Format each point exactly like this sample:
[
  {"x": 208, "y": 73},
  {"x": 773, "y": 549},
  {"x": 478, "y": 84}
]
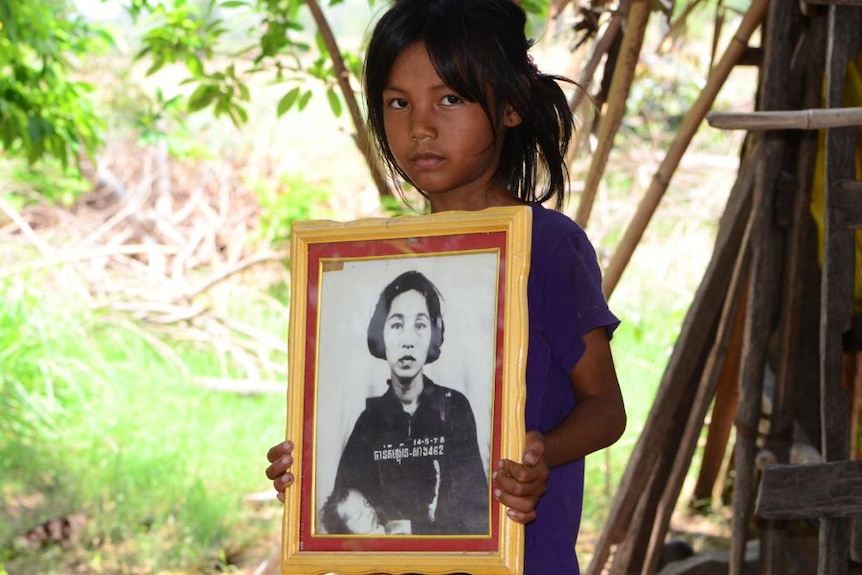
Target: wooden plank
[
  {"x": 811, "y": 491},
  {"x": 723, "y": 412},
  {"x": 847, "y": 202},
  {"x": 684, "y": 366}
]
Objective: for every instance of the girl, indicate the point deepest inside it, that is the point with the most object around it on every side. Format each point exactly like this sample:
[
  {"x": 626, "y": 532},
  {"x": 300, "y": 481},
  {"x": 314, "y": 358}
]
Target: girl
[{"x": 459, "y": 110}]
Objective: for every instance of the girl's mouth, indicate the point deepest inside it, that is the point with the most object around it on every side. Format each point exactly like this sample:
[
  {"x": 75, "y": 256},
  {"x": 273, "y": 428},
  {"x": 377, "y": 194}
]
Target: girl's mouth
[{"x": 426, "y": 160}]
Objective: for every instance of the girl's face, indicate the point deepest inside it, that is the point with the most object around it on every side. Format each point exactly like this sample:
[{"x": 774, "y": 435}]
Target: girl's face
[
  {"x": 407, "y": 335},
  {"x": 444, "y": 143}
]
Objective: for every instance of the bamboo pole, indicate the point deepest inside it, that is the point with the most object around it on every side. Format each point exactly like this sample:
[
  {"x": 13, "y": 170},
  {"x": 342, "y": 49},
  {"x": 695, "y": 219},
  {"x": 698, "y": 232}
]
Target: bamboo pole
[
  {"x": 624, "y": 73},
  {"x": 814, "y": 119},
  {"x": 690, "y": 123},
  {"x": 599, "y": 51}
]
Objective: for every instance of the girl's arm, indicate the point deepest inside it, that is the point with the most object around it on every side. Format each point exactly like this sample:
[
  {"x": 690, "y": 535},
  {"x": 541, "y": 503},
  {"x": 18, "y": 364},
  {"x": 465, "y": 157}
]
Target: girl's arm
[{"x": 597, "y": 421}]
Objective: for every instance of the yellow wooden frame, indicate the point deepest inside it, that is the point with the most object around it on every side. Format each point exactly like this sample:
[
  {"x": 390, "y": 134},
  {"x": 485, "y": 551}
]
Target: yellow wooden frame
[{"x": 515, "y": 223}]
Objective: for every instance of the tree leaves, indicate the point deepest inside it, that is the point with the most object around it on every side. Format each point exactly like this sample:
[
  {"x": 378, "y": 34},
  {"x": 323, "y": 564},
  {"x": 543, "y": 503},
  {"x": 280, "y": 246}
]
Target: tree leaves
[{"x": 44, "y": 111}]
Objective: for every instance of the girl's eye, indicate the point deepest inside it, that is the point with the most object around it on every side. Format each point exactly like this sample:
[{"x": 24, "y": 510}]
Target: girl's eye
[
  {"x": 397, "y": 103},
  {"x": 451, "y": 100},
  {"x": 395, "y": 325}
]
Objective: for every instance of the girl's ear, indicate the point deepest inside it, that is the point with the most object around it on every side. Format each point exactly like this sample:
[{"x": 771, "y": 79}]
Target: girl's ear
[{"x": 511, "y": 118}]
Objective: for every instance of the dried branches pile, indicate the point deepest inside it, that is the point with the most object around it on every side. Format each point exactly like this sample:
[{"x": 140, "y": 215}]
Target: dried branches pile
[{"x": 165, "y": 248}]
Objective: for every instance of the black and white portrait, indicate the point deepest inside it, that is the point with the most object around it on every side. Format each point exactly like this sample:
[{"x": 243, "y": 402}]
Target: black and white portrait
[{"x": 406, "y": 364}]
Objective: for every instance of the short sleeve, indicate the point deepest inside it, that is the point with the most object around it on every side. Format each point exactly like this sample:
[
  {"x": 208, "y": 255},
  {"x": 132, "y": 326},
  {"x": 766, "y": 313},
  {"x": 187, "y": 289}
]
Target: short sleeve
[{"x": 573, "y": 303}]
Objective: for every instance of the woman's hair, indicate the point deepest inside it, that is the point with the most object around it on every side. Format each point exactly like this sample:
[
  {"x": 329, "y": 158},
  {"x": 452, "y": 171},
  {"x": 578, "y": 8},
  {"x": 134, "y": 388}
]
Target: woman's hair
[
  {"x": 407, "y": 281},
  {"x": 479, "y": 49}
]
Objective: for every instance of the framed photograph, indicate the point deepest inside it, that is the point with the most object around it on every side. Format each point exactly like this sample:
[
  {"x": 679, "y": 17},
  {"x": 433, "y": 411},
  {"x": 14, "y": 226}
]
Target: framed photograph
[{"x": 407, "y": 350}]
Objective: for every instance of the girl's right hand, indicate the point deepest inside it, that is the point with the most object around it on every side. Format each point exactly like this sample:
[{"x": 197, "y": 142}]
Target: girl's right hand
[{"x": 280, "y": 459}]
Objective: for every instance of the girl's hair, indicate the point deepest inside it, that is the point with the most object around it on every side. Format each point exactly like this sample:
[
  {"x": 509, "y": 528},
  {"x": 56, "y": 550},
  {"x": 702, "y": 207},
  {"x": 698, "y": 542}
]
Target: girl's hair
[
  {"x": 479, "y": 49},
  {"x": 407, "y": 281}
]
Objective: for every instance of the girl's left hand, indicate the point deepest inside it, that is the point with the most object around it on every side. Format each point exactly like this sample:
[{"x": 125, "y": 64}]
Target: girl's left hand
[{"x": 519, "y": 486}]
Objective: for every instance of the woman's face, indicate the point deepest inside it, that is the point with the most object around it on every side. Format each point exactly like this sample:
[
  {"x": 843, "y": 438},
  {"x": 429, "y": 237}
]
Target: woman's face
[{"x": 407, "y": 334}]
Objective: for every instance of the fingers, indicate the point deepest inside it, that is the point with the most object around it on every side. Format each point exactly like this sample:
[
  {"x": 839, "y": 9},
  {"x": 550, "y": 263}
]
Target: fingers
[
  {"x": 281, "y": 483},
  {"x": 519, "y": 486},
  {"x": 280, "y": 459},
  {"x": 279, "y": 450},
  {"x": 534, "y": 448}
]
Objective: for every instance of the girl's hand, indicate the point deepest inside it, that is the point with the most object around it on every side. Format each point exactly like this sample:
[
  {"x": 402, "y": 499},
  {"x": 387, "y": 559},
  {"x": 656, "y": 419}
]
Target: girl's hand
[
  {"x": 519, "y": 486},
  {"x": 280, "y": 459}
]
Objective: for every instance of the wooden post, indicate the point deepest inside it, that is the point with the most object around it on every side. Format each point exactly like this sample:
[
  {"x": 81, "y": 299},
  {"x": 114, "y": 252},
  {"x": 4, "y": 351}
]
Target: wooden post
[
  {"x": 837, "y": 279},
  {"x": 763, "y": 299},
  {"x": 800, "y": 237}
]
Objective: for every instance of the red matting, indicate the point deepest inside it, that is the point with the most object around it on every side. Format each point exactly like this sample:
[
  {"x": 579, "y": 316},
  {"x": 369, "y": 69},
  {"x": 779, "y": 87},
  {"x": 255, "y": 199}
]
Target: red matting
[{"x": 370, "y": 249}]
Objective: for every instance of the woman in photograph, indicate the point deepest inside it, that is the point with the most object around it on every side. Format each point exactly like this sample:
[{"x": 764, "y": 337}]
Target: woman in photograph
[{"x": 413, "y": 452}]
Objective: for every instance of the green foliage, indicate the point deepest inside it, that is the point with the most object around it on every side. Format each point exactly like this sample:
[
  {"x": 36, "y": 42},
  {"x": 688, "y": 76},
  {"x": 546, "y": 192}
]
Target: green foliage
[
  {"x": 662, "y": 94},
  {"x": 42, "y": 361},
  {"x": 294, "y": 200},
  {"x": 195, "y": 35},
  {"x": 97, "y": 420},
  {"x": 46, "y": 179},
  {"x": 44, "y": 111}
]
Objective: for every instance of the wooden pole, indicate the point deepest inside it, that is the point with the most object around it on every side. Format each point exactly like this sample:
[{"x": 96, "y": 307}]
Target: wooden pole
[
  {"x": 576, "y": 102},
  {"x": 624, "y": 74},
  {"x": 704, "y": 394},
  {"x": 845, "y": 41},
  {"x": 688, "y": 128},
  {"x": 800, "y": 255},
  {"x": 813, "y": 119},
  {"x": 767, "y": 262},
  {"x": 684, "y": 366}
]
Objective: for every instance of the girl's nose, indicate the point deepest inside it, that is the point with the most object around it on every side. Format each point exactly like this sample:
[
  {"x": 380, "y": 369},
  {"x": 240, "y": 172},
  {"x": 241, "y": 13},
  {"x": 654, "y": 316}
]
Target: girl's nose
[{"x": 422, "y": 126}]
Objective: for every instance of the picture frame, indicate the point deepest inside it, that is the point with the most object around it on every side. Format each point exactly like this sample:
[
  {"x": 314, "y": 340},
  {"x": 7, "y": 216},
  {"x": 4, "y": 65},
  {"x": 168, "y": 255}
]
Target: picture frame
[{"x": 363, "y": 502}]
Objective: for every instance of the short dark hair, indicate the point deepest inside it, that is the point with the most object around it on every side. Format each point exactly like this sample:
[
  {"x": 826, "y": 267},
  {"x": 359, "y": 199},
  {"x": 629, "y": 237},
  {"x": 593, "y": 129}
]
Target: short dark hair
[
  {"x": 330, "y": 518},
  {"x": 479, "y": 49},
  {"x": 411, "y": 280}
]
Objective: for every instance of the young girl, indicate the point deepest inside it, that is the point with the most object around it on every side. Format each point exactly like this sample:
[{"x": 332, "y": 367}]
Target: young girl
[{"x": 459, "y": 110}]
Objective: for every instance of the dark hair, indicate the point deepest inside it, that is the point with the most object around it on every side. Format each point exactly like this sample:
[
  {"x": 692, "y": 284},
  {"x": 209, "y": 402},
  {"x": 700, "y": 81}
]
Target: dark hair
[
  {"x": 407, "y": 281},
  {"x": 479, "y": 49},
  {"x": 329, "y": 516}
]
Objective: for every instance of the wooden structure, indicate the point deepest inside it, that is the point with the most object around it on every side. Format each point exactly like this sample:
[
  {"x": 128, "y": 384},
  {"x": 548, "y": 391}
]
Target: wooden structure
[{"x": 757, "y": 309}]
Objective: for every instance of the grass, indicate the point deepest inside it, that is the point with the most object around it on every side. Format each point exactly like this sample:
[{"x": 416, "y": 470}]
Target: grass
[{"x": 158, "y": 465}]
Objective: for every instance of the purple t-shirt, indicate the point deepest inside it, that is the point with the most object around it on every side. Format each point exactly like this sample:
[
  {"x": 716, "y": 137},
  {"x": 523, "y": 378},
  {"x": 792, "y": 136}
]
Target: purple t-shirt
[{"x": 565, "y": 301}]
